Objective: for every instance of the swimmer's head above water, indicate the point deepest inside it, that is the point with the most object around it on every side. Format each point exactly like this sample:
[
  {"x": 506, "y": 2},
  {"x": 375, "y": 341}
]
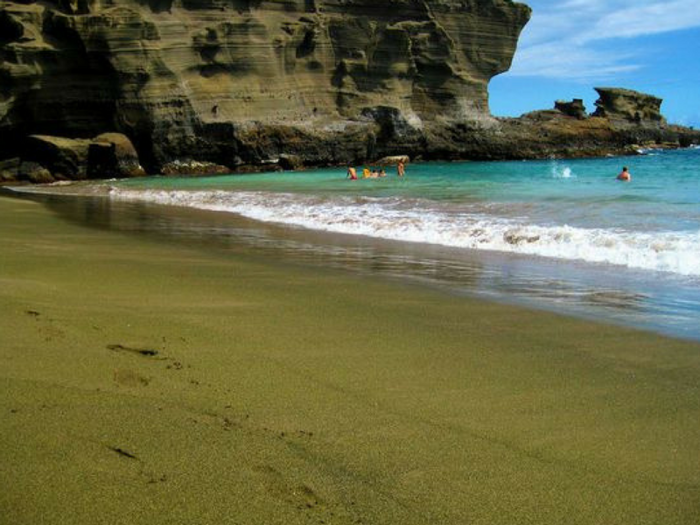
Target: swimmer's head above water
[{"x": 625, "y": 175}]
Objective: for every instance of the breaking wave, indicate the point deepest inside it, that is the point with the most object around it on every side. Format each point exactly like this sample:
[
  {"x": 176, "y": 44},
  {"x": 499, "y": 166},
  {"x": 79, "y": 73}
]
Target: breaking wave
[
  {"x": 561, "y": 172},
  {"x": 424, "y": 221}
]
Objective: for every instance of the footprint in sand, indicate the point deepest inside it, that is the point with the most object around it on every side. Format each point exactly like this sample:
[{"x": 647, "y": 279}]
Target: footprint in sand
[
  {"x": 302, "y": 496},
  {"x": 130, "y": 378},
  {"x": 49, "y": 332}
]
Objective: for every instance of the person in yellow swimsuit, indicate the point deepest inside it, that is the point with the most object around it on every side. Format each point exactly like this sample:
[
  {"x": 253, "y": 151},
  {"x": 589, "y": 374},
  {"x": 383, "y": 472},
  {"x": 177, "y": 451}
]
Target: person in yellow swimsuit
[{"x": 366, "y": 173}]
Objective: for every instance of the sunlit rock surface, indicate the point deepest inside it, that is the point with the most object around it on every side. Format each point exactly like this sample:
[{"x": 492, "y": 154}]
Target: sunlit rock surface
[
  {"x": 628, "y": 106},
  {"x": 220, "y": 85},
  {"x": 235, "y": 81}
]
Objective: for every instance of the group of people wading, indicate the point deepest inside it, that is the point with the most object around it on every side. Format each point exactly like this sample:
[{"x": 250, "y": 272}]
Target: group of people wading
[{"x": 368, "y": 173}]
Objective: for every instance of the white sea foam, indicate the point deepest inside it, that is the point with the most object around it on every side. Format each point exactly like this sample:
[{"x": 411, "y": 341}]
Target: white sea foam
[
  {"x": 426, "y": 222},
  {"x": 559, "y": 172}
]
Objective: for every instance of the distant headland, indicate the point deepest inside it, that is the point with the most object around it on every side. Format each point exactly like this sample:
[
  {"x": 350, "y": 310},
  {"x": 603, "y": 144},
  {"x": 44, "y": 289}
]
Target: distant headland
[{"x": 115, "y": 89}]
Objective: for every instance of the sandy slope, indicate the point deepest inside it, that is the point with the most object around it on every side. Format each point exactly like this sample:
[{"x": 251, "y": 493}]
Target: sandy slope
[{"x": 146, "y": 383}]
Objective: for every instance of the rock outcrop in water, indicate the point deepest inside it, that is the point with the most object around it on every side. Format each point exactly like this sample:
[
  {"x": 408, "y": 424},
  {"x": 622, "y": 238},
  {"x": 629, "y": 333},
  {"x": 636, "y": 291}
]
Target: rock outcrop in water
[
  {"x": 625, "y": 122},
  {"x": 218, "y": 85},
  {"x": 627, "y": 106}
]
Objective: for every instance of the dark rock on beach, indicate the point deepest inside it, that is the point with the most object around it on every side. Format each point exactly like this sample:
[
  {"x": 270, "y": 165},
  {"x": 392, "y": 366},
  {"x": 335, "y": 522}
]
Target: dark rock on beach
[
  {"x": 46, "y": 158},
  {"x": 290, "y": 162},
  {"x": 35, "y": 173},
  {"x": 113, "y": 155},
  {"x": 193, "y": 167},
  {"x": 9, "y": 169},
  {"x": 65, "y": 158}
]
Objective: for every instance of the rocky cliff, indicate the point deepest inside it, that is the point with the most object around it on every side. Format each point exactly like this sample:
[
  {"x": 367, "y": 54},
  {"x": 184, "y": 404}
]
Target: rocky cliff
[
  {"x": 225, "y": 84},
  {"x": 243, "y": 81}
]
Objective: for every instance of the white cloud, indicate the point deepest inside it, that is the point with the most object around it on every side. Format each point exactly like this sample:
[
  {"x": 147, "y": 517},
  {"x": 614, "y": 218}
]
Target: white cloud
[
  {"x": 564, "y": 39},
  {"x": 563, "y": 60},
  {"x": 657, "y": 17}
]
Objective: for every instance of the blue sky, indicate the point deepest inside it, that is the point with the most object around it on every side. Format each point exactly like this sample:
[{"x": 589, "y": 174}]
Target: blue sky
[{"x": 570, "y": 46}]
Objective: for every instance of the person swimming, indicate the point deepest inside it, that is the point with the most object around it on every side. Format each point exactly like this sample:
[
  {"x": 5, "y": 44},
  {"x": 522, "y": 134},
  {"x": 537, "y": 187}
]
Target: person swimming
[
  {"x": 352, "y": 173},
  {"x": 625, "y": 175},
  {"x": 366, "y": 173}
]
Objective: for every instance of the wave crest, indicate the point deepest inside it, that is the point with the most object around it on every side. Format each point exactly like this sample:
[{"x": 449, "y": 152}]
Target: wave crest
[{"x": 425, "y": 222}]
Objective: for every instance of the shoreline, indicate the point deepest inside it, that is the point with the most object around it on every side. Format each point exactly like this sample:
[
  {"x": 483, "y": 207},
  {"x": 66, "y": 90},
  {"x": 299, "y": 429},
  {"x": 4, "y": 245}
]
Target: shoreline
[
  {"x": 200, "y": 170},
  {"x": 161, "y": 383},
  {"x": 579, "y": 289},
  {"x": 617, "y": 286}
]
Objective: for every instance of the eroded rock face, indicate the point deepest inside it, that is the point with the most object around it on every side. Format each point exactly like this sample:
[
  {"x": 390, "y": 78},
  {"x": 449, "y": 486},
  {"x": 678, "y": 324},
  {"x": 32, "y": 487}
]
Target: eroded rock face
[
  {"x": 64, "y": 158},
  {"x": 574, "y": 108},
  {"x": 113, "y": 155},
  {"x": 629, "y": 106},
  {"x": 212, "y": 86},
  {"x": 45, "y": 158},
  {"x": 241, "y": 81}
]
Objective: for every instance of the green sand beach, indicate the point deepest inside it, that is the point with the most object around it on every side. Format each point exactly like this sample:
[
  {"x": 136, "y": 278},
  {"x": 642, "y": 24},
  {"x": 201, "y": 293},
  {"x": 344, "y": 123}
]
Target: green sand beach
[{"x": 148, "y": 382}]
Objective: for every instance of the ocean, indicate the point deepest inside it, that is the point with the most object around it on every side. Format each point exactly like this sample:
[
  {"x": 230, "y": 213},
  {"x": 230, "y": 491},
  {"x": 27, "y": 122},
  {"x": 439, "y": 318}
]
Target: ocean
[{"x": 559, "y": 235}]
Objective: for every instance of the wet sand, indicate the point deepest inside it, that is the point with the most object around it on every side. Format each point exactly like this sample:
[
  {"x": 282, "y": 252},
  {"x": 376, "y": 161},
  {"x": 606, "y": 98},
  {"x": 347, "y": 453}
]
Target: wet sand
[{"x": 148, "y": 382}]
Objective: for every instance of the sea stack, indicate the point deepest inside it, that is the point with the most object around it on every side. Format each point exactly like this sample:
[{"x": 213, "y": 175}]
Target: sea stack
[{"x": 626, "y": 105}]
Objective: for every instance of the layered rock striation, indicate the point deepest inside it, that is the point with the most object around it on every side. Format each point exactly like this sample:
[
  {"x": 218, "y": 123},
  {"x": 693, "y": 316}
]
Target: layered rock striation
[
  {"x": 215, "y": 85},
  {"x": 628, "y": 106},
  {"x": 243, "y": 81}
]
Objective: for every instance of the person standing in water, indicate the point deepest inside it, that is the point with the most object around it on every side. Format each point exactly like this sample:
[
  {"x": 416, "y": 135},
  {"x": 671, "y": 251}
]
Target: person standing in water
[
  {"x": 401, "y": 169},
  {"x": 352, "y": 173},
  {"x": 625, "y": 175}
]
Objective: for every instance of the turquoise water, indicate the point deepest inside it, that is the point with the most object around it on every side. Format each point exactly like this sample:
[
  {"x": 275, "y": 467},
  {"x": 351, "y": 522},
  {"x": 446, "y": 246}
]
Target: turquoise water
[
  {"x": 571, "y": 210},
  {"x": 563, "y": 235}
]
